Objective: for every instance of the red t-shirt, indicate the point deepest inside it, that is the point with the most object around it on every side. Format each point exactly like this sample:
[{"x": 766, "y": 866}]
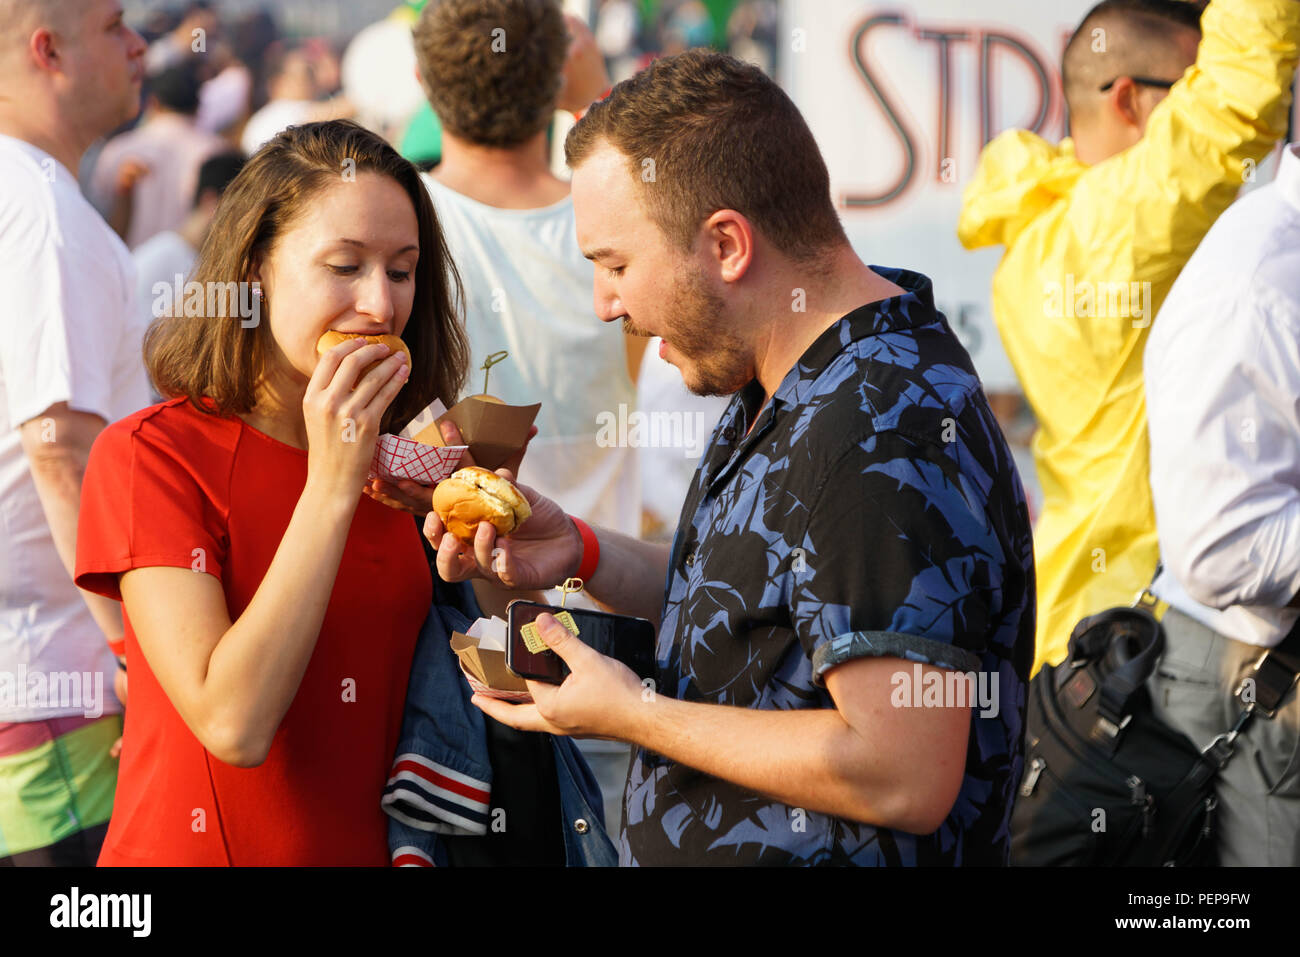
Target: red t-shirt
[{"x": 173, "y": 486}]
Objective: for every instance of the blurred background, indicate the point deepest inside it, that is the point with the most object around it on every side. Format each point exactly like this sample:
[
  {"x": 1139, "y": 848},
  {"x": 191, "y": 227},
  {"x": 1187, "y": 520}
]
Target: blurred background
[{"x": 901, "y": 96}]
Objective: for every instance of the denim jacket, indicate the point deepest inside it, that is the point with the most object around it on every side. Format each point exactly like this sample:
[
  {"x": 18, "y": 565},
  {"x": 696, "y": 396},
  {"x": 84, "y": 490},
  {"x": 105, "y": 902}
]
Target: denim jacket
[{"x": 441, "y": 780}]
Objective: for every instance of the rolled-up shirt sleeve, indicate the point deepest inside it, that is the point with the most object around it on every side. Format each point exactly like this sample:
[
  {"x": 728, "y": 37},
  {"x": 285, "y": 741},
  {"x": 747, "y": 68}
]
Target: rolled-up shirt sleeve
[
  {"x": 899, "y": 560},
  {"x": 1222, "y": 381}
]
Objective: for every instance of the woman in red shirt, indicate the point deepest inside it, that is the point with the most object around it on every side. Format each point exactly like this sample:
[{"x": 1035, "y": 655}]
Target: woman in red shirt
[{"x": 271, "y": 609}]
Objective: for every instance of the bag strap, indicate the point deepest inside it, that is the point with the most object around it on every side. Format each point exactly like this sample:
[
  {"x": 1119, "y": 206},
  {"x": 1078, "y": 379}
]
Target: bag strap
[
  {"x": 1277, "y": 669},
  {"x": 1133, "y": 641},
  {"x": 1274, "y": 673}
]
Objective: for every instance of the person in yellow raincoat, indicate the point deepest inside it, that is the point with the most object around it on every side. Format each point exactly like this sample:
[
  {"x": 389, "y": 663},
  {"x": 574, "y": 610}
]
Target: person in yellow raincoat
[{"x": 1096, "y": 229}]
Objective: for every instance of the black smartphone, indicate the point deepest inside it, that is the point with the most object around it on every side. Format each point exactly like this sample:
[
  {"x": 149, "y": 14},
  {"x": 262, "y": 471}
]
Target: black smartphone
[{"x": 629, "y": 640}]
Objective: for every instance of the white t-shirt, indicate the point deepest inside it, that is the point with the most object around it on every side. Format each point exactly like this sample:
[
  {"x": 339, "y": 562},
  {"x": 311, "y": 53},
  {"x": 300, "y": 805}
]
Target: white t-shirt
[
  {"x": 68, "y": 333},
  {"x": 528, "y": 291}
]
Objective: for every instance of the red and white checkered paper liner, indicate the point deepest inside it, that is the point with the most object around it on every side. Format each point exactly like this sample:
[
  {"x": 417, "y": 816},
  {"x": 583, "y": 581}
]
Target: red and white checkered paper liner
[
  {"x": 518, "y": 697},
  {"x": 399, "y": 458}
]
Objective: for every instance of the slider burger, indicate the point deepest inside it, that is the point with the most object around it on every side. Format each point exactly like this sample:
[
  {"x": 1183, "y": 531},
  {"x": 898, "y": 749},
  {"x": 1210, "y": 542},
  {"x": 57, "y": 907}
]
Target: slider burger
[
  {"x": 472, "y": 495},
  {"x": 332, "y": 339}
]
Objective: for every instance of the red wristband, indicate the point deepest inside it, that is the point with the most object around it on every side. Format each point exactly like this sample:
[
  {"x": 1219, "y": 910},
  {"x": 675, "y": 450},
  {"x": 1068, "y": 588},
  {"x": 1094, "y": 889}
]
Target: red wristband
[{"x": 590, "y": 550}]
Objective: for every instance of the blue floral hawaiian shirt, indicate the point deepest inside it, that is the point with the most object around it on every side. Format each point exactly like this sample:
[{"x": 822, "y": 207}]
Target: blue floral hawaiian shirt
[{"x": 874, "y": 510}]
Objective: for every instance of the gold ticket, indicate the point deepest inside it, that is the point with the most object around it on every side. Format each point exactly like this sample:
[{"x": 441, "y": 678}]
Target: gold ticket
[{"x": 533, "y": 641}]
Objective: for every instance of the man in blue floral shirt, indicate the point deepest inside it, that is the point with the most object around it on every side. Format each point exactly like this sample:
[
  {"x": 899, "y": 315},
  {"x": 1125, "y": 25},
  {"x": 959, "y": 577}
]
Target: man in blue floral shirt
[{"x": 847, "y": 625}]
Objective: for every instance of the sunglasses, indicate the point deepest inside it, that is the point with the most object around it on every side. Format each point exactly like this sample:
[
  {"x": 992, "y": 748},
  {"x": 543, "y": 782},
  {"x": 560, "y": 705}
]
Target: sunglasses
[{"x": 1141, "y": 81}]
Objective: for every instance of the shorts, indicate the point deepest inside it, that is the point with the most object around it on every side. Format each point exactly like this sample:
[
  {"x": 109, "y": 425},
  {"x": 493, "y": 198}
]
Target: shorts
[{"x": 56, "y": 779}]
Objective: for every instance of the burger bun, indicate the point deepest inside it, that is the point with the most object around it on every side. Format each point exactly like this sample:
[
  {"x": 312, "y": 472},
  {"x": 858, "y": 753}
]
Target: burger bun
[
  {"x": 331, "y": 339},
  {"x": 472, "y": 495}
]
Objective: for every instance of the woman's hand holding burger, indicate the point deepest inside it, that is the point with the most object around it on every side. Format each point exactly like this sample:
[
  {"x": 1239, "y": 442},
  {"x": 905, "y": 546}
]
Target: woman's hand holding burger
[
  {"x": 350, "y": 390},
  {"x": 540, "y": 553}
]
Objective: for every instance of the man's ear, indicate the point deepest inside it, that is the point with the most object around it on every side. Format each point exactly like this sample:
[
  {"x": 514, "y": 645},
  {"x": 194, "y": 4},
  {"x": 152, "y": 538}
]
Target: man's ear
[
  {"x": 1123, "y": 100},
  {"x": 44, "y": 47},
  {"x": 730, "y": 236}
]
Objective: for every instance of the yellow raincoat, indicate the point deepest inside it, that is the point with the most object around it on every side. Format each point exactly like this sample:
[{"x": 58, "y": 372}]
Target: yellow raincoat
[{"x": 1091, "y": 254}]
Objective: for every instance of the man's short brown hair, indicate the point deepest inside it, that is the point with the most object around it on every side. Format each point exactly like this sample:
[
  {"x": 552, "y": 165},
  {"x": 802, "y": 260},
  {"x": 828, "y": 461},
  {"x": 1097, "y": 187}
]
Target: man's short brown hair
[
  {"x": 492, "y": 69},
  {"x": 703, "y": 131}
]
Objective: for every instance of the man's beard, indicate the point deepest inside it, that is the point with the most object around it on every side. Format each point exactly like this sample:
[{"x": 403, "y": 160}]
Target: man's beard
[
  {"x": 720, "y": 364},
  {"x": 632, "y": 330}
]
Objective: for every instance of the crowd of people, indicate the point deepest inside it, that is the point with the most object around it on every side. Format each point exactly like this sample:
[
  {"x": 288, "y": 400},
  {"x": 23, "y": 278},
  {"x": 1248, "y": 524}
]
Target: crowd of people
[{"x": 186, "y": 484}]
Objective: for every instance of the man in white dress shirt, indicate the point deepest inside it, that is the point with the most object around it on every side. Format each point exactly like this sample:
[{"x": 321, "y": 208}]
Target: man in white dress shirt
[{"x": 1223, "y": 397}]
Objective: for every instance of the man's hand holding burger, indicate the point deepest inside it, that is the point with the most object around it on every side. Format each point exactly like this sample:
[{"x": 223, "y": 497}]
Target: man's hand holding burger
[
  {"x": 600, "y": 696},
  {"x": 538, "y": 554}
]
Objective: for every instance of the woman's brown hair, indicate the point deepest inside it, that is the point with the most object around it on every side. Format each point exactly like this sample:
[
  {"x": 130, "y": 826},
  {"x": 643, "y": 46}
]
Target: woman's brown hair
[{"x": 197, "y": 354}]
